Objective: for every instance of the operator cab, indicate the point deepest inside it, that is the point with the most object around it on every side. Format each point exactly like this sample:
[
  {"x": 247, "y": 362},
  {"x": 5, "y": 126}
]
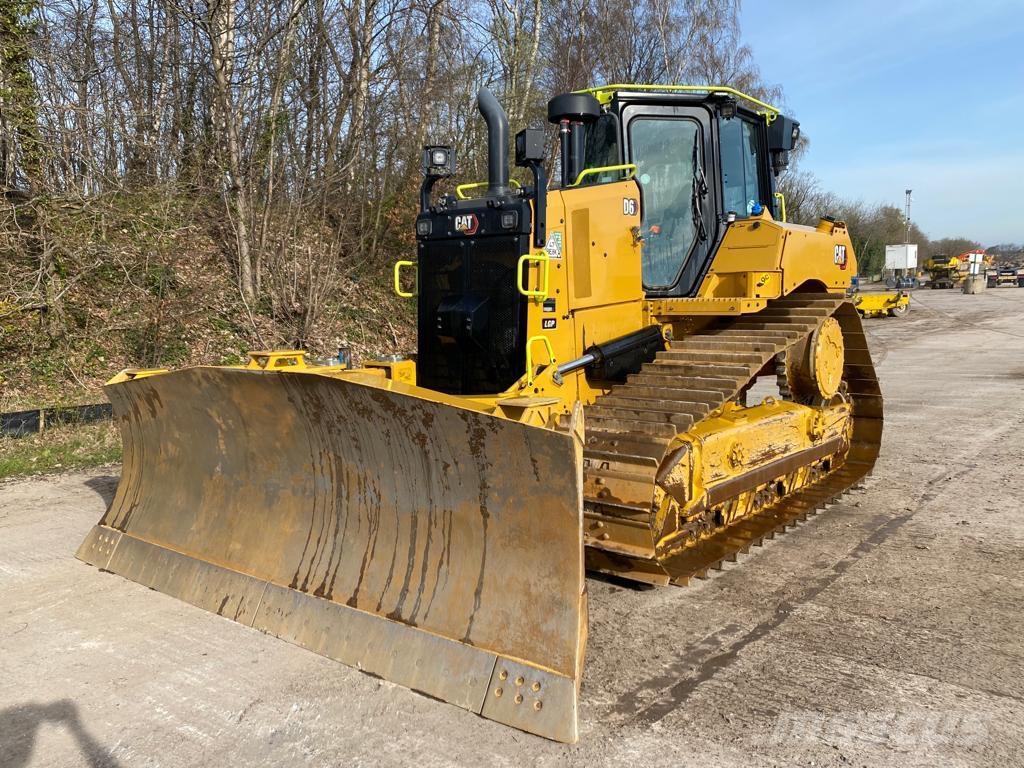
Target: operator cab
[{"x": 702, "y": 158}]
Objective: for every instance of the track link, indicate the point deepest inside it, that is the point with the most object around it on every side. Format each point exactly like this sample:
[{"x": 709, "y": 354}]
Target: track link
[{"x": 630, "y": 431}]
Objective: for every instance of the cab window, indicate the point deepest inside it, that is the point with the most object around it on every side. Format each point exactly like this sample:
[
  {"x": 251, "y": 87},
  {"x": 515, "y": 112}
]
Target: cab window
[
  {"x": 666, "y": 153},
  {"x": 741, "y": 166},
  {"x": 601, "y": 150}
]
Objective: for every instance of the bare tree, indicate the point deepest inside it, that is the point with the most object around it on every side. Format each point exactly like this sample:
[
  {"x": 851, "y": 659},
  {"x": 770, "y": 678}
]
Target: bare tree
[{"x": 280, "y": 138}]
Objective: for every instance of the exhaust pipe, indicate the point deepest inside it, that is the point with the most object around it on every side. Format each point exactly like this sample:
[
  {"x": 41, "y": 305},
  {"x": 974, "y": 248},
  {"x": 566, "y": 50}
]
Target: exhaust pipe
[{"x": 497, "y": 141}]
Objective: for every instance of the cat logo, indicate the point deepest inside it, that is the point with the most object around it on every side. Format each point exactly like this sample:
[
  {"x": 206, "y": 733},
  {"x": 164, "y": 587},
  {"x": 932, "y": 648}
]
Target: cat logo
[
  {"x": 466, "y": 223},
  {"x": 839, "y": 256}
]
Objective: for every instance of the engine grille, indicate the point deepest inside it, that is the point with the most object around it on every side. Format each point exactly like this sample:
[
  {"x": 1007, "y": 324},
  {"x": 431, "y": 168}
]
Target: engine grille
[{"x": 472, "y": 319}]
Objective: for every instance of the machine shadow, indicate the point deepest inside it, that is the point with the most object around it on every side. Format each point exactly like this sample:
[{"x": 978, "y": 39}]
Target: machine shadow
[
  {"x": 105, "y": 486},
  {"x": 620, "y": 581},
  {"x": 20, "y": 724}
]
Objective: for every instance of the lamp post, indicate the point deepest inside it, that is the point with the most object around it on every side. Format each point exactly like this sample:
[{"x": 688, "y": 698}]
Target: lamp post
[{"x": 906, "y": 239}]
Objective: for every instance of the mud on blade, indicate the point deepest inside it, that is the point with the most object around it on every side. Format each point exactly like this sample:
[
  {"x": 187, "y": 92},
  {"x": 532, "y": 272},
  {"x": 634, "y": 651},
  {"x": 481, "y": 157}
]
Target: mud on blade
[{"x": 435, "y": 546}]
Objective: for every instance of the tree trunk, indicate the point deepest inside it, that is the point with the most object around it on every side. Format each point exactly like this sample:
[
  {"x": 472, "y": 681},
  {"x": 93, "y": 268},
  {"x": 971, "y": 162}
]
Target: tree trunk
[{"x": 220, "y": 27}]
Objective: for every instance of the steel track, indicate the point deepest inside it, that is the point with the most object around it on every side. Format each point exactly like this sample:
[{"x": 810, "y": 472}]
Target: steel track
[{"x": 631, "y": 429}]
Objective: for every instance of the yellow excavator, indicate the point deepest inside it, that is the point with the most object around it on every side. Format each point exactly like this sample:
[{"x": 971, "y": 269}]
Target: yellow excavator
[{"x": 641, "y": 370}]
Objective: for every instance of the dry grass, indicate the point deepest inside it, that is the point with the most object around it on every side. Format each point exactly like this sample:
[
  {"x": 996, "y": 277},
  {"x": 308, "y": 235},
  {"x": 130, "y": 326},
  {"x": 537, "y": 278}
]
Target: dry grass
[
  {"x": 143, "y": 282},
  {"x": 60, "y": 449}
]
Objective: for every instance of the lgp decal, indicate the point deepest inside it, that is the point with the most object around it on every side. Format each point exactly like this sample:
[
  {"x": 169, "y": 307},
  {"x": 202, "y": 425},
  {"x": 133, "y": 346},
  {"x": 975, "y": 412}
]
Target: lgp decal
[
  {"x": 547, "y": 323},
  {"x": 839, "y": 256},
  {"x": 466, "y": 223}
]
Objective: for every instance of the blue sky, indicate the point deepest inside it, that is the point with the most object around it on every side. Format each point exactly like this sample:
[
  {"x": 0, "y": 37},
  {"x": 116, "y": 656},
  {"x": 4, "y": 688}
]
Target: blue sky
[{"x": 925, "y": 94}]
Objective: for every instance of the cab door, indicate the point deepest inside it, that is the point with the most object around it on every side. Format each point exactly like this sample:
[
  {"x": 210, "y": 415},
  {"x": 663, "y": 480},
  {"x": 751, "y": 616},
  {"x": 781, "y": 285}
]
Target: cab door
[{"x": 671, "y": 147}]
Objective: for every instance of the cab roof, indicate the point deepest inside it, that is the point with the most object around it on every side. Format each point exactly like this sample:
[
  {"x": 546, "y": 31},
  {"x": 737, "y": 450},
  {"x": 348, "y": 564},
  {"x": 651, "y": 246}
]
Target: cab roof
[{"x": 605, "y": 93}]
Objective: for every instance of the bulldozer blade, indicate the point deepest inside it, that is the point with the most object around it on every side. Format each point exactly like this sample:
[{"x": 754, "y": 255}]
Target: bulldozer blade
[{"x": 380, "y": 524}]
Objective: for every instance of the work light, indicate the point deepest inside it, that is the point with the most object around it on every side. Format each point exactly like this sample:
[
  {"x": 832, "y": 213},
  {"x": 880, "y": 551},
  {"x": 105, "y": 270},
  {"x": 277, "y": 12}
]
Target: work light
[{"x": 438, "y": 161}]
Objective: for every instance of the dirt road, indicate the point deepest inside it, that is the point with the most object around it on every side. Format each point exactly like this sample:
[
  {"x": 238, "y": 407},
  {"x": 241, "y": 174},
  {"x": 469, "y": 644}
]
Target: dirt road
[{"x": 887, "y": 631}]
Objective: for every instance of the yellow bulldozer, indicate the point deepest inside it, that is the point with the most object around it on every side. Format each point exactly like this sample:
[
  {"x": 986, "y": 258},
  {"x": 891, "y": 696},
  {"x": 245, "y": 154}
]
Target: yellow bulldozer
[
  {"x": 641, "y": 370},
  {"x": 945, "y": 271}
]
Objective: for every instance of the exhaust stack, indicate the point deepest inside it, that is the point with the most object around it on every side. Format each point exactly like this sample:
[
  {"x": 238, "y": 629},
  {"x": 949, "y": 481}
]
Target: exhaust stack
[{"x": 497, "y": 141}]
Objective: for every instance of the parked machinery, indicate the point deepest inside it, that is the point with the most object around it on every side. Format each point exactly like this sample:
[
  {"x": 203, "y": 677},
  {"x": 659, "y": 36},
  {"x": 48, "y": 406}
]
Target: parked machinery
[
  {"x": 944, "y": 271},
  {"x": 882, "y": 304},
  {"x": 1003, "y": 277}
]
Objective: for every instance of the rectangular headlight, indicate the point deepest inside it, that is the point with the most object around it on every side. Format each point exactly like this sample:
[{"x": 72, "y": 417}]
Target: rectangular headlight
[{"x": 438, "y": 160}]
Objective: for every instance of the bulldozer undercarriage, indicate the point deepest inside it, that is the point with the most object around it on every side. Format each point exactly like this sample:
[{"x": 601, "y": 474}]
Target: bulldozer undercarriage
[{"x": 642, "y": 520}]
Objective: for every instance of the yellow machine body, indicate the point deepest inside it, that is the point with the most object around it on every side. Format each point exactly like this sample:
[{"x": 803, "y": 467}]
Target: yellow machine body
[
  {"x": 945, "y": 271},
  {"x": 439, "y": 540},
  {"x": 892, "y": 304},
  {"x": 597, "y": 286}
]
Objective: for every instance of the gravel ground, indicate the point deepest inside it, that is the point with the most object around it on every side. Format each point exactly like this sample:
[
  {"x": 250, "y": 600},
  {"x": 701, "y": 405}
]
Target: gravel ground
[{"x": 887, "y": 631}]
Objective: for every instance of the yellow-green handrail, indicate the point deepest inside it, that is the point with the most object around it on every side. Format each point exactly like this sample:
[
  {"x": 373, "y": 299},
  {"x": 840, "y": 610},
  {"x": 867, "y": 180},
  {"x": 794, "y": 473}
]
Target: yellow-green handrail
[
  {"x": 629, "y": 167},
  {"x": 529, "y": 356},
  {"x": 398, "y": 279},
  {"x": 542, "y": 260},
  {"x": 603, "y": 93},
  {"x": 462, "y": 189},
  {"x": 782, "y": 205}
]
